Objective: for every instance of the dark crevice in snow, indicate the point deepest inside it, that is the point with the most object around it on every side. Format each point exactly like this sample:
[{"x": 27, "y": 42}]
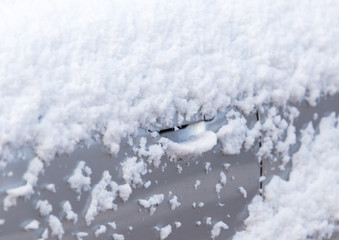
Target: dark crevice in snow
[{"x": 260, "y": 163}]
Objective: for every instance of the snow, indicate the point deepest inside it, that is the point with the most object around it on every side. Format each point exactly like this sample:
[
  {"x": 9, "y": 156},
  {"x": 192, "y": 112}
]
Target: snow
[
  {"x": 263, "y": 60},
  {"x": 44, "y": 234},
  {"x": 216, "y": 229},
  {"x": 218, "y": 188},
  {"x": 177, "y": 224},
  {"x": 81, "y": 235},
  {"x": 112, "y": 225},
  {"x": 196, "y": 146},
  {"x": 197, "y": 184},
  {"x": 117, "y": 236},
  {"x": 70, "y": 215},
  {"x": 152, "y": 202},
  {"x": 223, "y": 179},
  {"x": 243, "y": 191},
  {"x": 51, "y": 187},
  {"x": 81, "y": 178},
  {"x": 174, "y": 202},
  {"x": 35, "y": 167},
  {"x": 125, "y": 191},
  {"x": 262, "y": 178},
  {"x": 31, "y": 177},
  {"x": 153, "y": 154},
  {"x": 307, "y": 204},
  {"x": 133, "y": 170},
  {"x": 14, "y": 193},
  {"x": 45, "y": 208},
  {"x": 179, "y": 168},
  {"x": 110, "y": 67},
  {"x": 101, "y": 229},
  {"x": 233, "y": 134},
  {"x": 208, "y": 167},
  {"x": 165, "y": 231},
  {"x": 55, "y": 226},
  {"x": 32, "y": 225},
  {"x": 147, "y": 184},
  {"x": 208, "y": 221},
  {"x": 101, "y": 197}
]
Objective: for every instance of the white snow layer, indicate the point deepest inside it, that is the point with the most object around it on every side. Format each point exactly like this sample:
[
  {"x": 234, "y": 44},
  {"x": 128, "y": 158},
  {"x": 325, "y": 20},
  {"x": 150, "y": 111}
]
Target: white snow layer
[
  {"x": 313, "y": 184},
  {"x": 94, "y": 66}
]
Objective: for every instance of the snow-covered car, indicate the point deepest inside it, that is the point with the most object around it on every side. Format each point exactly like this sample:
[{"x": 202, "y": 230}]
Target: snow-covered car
[{"x": 198, "y": 119}]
